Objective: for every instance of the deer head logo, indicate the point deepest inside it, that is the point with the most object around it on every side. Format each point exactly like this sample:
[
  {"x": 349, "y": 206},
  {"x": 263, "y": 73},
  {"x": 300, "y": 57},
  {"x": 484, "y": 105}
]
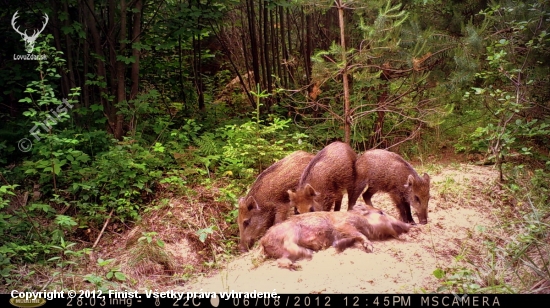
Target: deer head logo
[{"x": 29, "y": 40}]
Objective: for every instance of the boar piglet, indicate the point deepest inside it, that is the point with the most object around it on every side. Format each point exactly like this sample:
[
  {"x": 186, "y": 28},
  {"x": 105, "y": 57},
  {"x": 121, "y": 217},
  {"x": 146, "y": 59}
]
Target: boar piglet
[
  {"x": 299, "y": 236},
  {"x": 384, "y": 171},
  {"x": 267, "y": 201},
  {"x": 327, "y": 176}
]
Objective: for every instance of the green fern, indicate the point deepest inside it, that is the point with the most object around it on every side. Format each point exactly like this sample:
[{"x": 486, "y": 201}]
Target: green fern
[{"x": 208, "y": 145}]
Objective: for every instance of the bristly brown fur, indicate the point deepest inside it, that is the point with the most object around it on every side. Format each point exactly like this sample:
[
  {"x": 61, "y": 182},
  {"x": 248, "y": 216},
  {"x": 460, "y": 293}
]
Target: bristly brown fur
[
  {"x": 299, "y": 236},
  {"x": 267, "y": 202},
  {"x": 385, "y": 171},
  {"x": 324, "y": 180}
]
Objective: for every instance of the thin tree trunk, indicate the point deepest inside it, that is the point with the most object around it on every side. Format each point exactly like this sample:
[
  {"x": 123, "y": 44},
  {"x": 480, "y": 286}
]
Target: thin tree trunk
[
  {"x": 253, "y": 41},
  {"x": 302, "y": 48},
  {"x": 57, "y": 40},
  {"x": 101, "y": 72},
  {"x": 275, "y": 42},
  {"x": 180, "y": 59},
  {"x": 266, "y": 53},
  {"x": 283, "y": 72},
  {"x": 309, "y": 48},
  {"x": 261, "y": 45},
  {"x": 245, "y": 57},
  {"x": 378, "y": 125},
  {"x": 200, "y": 85},
  {"x": 347, "y": 126},
  {"x": 121, "y": 89},
  {"x": 111, "y": 38},
  {"x": 85, "y": 86},
  {"x": 136, "y": 29},
  {"x": 289, "y": 54},
  {"x": 68, "y": 42}
]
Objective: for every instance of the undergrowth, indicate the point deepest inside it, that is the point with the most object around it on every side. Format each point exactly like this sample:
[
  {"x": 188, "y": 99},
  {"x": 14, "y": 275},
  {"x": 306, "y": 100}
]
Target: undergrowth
[
  {"x": 73, "y": 192},
  {"x": 512, "y": 257}
]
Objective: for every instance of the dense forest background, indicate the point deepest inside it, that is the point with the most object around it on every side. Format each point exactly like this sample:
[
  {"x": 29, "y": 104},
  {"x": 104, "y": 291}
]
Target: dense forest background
[{"x": 133, "y": 99}]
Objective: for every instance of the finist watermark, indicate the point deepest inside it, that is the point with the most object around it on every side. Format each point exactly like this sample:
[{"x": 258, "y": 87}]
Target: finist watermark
[
  {"x": 29, "y": 40},
  {"x": 25, "y": 144}
]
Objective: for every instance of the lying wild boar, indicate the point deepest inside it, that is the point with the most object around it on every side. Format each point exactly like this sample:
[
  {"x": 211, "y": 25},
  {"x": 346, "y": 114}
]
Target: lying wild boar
[
  {"x": 385, "y": 171},
  {"x": 300, "y": 235},
  {"x": 322, "y": 183},
  {"x": 267, "y": 201}
]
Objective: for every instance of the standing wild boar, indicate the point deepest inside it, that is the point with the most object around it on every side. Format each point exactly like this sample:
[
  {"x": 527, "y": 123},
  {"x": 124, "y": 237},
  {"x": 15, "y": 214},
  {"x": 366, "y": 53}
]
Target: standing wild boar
[
  {"x": 267, "y": 202},
  {"x": 323, "y": 181},
  {"x": 386, "y": 171},
  {"x": 300, "y": 235}
]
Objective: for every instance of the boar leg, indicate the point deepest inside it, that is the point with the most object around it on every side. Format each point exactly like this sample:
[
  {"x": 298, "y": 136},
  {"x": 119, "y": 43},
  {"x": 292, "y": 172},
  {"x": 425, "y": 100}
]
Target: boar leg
[
  {"x": 367, "y": 195},
  {"x": 284, "y": 263},
  {"x": 404, "y": 210},
  {"x": 352, "y": 239},
  {"x": 292, "y": 250},
  {"x": 361, "y": 238},
  {"x": 352, "y": 196},
  {"x": 337, "y": 202}
]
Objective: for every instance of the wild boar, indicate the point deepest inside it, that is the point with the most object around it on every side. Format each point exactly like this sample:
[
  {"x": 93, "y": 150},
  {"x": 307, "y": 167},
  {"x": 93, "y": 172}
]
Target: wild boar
[
  {"x": 267, "y": 202},
  {"x": 328, "y": 175},
  {"x": 385, "y": 171},
  {"x": 300, "y": 235}
]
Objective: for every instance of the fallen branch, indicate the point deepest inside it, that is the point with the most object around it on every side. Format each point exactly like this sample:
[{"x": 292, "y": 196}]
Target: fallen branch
[{"x": 103, "y": 229}]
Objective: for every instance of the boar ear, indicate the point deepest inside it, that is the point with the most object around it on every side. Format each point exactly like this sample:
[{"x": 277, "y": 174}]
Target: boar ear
[
  {"x": 410, "y": 181},
  {"x": 310, "y": 191},
  {"x": 426, "y": 178},
  {"x": 252, "y": 204}
]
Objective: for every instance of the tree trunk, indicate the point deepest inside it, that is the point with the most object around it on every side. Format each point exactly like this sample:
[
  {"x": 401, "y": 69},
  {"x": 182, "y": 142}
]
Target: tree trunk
[
  {"x": 347, "y": 126},
  {"x": 378, "y": 125},
  {"x": 245, "y": 58},
  {"x": 309, "y": 48},
  {"x": 283, "y": 71},
  {"x": 68, "y": 42},
  {"x": 121, "y": 89},
  {"x": 253, "y": 41},
  {"x": 111, "y": 44},
  {"x": 85, "y": 86},
  {"x": 57, "y": 40},
  {"x": 289, "y": 54},
  {"x": 266, "y": 53},
  {"x": 136, "y": 30},
  {"x": 276, "y": 59},
  {"x": 101, "y": 72}
]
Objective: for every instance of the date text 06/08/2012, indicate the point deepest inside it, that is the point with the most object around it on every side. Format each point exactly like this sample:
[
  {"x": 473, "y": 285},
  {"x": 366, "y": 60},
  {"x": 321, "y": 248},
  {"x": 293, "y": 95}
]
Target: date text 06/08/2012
[{"x": 365, "y": 300}]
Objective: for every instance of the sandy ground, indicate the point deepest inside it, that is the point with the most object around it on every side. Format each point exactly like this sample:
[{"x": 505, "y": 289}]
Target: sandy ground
[{"x": 458, "y": 210}]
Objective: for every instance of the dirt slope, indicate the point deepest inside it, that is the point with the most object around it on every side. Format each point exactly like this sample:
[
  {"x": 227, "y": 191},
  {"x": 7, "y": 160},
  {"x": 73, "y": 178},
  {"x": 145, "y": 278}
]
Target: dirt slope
[{"x": 459, "y": 210}]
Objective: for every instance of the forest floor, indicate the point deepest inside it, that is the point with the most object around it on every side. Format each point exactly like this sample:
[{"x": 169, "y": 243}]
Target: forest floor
[{"x": 458, "y": 211}]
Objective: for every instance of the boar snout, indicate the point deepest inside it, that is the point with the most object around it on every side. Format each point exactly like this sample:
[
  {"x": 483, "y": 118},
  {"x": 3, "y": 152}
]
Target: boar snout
[
  {"x": 245, "y": 246},
  {"x": 422, "y": 219}
]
